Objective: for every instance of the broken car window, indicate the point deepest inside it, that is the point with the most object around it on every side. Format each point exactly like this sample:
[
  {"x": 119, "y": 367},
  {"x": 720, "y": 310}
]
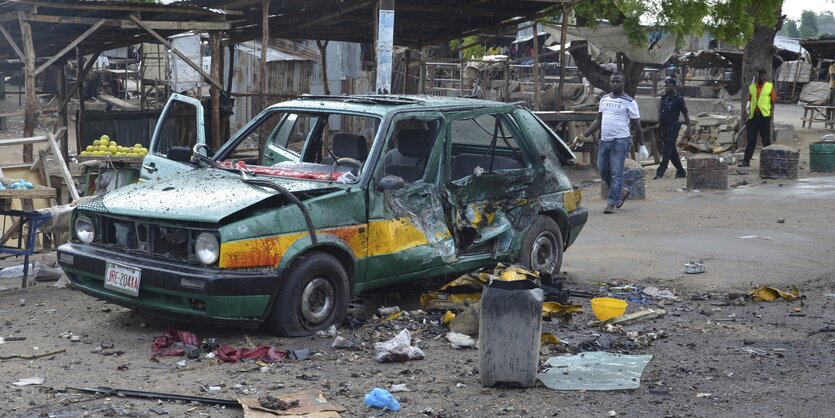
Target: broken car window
[
  {"x": 408, "y": 151},
  {"x": 484, "y": 143}
]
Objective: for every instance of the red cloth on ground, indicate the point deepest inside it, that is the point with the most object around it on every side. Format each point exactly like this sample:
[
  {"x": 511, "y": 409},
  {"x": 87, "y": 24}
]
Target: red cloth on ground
[
  {"x": 265, "y": 353},
  {"x": 170, "y": 338}
]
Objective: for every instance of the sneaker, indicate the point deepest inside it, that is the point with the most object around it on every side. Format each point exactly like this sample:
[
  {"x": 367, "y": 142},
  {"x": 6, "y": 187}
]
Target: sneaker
[
  {"x": 681, "y": 175},
  {"x": 744, "y": 164},
  {"x": 623, "y": 195},
  {"x": 657, "y": 177},
  {"x": 609, "y": 209}
]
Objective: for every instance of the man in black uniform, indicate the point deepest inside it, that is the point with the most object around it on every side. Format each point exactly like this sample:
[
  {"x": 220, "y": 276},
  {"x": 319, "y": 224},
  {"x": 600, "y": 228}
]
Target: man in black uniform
[{"x": 671, "y": 105}]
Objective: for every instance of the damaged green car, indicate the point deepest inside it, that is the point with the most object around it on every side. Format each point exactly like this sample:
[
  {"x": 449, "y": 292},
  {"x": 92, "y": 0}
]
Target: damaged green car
[{"x": 320, "y": 198}]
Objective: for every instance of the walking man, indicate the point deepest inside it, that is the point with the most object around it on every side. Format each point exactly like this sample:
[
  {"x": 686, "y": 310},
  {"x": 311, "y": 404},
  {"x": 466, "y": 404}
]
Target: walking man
[
  {"x": 760, "y": 110},
  {"x": 617, "y": 111},
  {"x": 670, "y": 106}
]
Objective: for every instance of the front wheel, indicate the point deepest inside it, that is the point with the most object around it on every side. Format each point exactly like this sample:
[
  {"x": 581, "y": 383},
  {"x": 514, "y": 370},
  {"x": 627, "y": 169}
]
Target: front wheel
[
  {"x": 542, "y": 246},
  {"x": 313, "y": 297}
]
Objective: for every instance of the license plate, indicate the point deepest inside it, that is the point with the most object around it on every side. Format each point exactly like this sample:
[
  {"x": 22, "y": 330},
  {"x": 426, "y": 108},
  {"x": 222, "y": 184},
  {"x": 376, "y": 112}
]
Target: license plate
[{"x": 122, "y": 278}]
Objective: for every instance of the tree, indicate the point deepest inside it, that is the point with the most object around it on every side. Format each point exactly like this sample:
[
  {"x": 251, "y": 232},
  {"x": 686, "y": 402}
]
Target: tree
[
  {"x": 826, "y": 23},
  {"x": 808, "y": 24},
  {"x": 730, "y": 21},
  {"x": 790, "y": 29}
]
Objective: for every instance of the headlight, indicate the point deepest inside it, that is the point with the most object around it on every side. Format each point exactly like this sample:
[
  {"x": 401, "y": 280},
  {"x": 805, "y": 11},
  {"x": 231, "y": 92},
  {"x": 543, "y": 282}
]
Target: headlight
[
  {"x": 206, "y": 248},
  {"x": 84, "y": 229}
]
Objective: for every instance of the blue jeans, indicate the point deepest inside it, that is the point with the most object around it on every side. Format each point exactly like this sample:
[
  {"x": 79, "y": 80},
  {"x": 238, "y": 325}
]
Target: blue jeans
[{"x": 610, "y": 159}]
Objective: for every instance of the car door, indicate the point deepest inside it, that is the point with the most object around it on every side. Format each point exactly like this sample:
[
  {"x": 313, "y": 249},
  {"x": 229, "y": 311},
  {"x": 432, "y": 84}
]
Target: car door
[
  {"x": 180, "y": 124},
  {"x": 408, "y": 234},
  {"x": 489, "y": 180}
]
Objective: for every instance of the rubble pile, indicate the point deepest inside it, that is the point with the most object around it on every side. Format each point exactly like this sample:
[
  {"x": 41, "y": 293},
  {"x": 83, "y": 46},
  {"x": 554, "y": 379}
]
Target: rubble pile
[{"x": 711, "y": 132}]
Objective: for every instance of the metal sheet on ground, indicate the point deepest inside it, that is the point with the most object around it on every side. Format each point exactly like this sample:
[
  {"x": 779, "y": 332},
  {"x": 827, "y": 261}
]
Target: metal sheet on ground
[{"x": 594, "y": 371}]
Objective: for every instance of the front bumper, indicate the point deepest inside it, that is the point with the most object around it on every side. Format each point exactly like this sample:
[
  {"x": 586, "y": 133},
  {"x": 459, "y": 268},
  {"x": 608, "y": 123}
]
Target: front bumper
[
  {"x": 576, "y": 220},
  {"x": 240, "y": 298}
]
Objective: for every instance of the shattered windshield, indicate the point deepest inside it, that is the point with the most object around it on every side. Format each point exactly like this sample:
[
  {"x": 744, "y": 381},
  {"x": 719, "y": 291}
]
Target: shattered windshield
[{"x": 326, "y": 146}]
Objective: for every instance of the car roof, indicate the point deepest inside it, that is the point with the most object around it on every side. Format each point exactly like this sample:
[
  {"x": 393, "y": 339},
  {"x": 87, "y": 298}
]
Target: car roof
[{"x": 384, "y": 104}]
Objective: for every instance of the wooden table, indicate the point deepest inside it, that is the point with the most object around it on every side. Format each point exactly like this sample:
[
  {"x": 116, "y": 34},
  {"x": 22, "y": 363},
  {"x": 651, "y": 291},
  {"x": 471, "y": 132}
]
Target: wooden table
[{"x": 825, "y": 114}]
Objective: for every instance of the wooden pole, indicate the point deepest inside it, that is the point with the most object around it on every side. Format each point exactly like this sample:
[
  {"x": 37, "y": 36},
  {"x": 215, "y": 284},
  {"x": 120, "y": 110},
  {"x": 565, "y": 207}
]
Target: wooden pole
[
  {"x": 422, "y": 81},
  {"x": 29, "y": 77},
  {"x": 262, "y": 85},
  {"x": 215, "y": 40},
  {"x": 79, "y": 120},
  {"x": 265, "y": 44},
  {"x": 536, "y": 84},
  {"x": 406, "y": 70},
  {"x": 323, "y": 53},
  {"x": 62, "y": 112},
  {"x": 186, "y": 60},
  {"x": 563, "y": 35}
]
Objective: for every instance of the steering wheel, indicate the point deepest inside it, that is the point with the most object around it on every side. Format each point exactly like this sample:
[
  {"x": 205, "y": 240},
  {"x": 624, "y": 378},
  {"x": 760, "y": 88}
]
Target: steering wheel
[
  {"x": 199, "y": 158},
  {"x": 349, "y": 161}
]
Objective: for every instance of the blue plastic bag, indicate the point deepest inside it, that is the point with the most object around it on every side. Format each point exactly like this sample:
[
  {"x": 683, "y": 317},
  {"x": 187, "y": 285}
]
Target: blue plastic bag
[{"x": 382, "y": 399}]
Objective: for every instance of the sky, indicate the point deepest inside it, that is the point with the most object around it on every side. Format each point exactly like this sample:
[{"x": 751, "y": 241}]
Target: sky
[{"x": 793, "y": 8}]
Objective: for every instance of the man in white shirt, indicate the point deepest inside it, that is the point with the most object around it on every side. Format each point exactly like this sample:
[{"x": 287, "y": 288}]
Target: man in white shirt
[{"x": 616, "y": 112}]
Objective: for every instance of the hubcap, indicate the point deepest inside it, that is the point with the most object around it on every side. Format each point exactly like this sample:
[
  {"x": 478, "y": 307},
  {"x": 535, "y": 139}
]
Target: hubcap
[
  {"x": 544, "y": 252},
  {"x": 317, "y": 301}
]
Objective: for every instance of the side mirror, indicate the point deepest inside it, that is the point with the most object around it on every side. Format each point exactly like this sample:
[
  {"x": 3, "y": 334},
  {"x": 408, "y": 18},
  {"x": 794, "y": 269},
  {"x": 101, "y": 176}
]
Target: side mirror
[
  {"x": 391, "y": 182},
  {"x": 179, "y": 154}
]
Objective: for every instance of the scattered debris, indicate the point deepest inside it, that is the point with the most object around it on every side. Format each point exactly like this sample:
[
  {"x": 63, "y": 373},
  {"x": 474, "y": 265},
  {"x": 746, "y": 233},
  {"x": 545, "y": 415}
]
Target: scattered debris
[
  {"x": 660, "y": 294},
  {"x": 32, "y": 356},
  {"x": 29, "y": 381},
  {"x": 828, "y": 328},
  {"x": 756, "y": 237},
  {"x": 329, "y": 333},
  {"x": 781, "y": 220},
  {"x": 703, "y": 395},
  {"x": 769, "y": 294},
  {"x": 155, "y": 395},
  {"x": 399, "y": 388},
  {"x": 694, "y": 267},
  {"x": 650, "y": 313},
  {"x": 460, "y": 340},
  {"x": 343, "y": 343},
  {"x": 271, "y": 402},
  {"x": 594, "y": 371},
  {"x": 397, "y": 349},
  {"x": 381, "y": 399}
]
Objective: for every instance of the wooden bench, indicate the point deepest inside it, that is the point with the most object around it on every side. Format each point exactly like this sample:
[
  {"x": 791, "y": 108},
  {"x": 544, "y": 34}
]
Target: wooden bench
[{"x": 825, "y": 114}]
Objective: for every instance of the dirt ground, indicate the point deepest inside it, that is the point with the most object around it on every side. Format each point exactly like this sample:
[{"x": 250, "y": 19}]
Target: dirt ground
[{"x": 718, "y": 357}]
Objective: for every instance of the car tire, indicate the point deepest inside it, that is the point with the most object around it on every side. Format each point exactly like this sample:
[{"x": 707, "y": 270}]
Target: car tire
[
  {"x": 542, "y": 247},
  {"x": 313, "y": 297}
]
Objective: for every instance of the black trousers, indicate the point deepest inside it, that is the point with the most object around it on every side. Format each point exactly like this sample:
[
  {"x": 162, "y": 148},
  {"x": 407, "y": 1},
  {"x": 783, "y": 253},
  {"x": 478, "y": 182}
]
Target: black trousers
[
  {"x": 758, "y": 125},
  {"x": 669, "y": 134}
]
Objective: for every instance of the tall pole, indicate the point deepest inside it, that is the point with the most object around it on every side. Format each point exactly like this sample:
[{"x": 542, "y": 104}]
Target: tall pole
[
  {"x": 536, "y": 84},
  {"x": 29, "y": 84},
  {"x": 79, "y": 79},
  {"x": 385, "y": 46},
  {"x": 215, "y": 43},
  {"x": 563, "y": 35},
  {"x": 262, "y": 85},
  {"x": 323, "y": 54}
]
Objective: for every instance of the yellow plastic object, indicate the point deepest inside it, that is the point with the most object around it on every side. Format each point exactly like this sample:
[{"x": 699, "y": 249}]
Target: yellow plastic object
[
  {"x": 607, "y": 308},
  {"x": 448, "y": 317}
]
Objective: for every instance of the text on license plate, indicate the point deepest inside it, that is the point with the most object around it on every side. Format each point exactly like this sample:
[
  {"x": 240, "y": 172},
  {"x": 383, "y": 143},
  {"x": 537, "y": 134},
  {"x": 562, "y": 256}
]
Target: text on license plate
[{"x": 122, "y": 278}]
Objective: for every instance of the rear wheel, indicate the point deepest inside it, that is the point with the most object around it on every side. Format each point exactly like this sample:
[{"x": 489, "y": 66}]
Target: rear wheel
[
  {"x": 313, "y": 297},
  {"x": 542, "y": 247}
]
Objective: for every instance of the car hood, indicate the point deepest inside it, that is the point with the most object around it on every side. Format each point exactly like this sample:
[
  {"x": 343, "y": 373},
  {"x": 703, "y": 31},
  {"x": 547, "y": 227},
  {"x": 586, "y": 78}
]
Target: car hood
[{"x": 205, "y": 195}]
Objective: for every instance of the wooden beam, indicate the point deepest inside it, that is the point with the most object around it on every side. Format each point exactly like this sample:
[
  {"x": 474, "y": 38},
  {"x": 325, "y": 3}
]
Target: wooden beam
[
  {"x": 79, "y": 80},
  {"x": 12, "y": 42},
  {"x": 21, "y": 141},
  {"x": 29, "y": 83},
  {"x": 128, "y": 7},
  {"x": 262, "y": 69},
  {"x": 65, "y": 171},
  {"x": 72, "y": 45},
  {"x": 216, "y": 44},
  {"x": 79, "y": 86},
  {"x": 179, "y": 26},
  {"x": 182, "y": 56}
]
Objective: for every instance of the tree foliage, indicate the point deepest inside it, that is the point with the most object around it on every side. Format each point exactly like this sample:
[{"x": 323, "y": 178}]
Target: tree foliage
[
  {"x": 472, "y": 47},
  {"x": 790, "y": 29},
  {"x": 808, "y": 24},
  {"x": 731, "y": 21},
  {"x": 826, "y": 23}
]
